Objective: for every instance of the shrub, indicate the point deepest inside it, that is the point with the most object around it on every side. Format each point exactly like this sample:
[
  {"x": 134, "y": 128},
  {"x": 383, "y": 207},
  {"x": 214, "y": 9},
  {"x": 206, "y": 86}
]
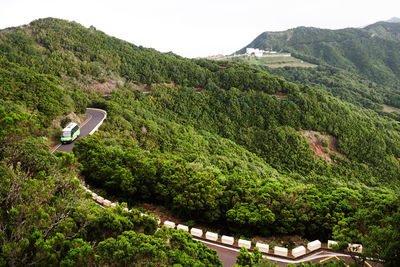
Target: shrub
[
  {"x": 325, "y": 143},
  {"x": 64, "y": 122}
]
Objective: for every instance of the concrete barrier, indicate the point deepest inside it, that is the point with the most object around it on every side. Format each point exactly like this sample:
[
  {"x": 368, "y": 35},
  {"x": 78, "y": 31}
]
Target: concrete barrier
[
  {"x": 99, "y": 199},
  {"x": 229, "y": 240},
  {"x": 262, "y": 247},
  {"x": 196, "y": 232},
  {"x": 113, "y": 205},
  {"x": 299, "y": 251},
  {"x": 182, "y": 227},
  {"x": 211, "y": 236},
  {"x": 355, "y": 248},
  {"x": 316, "y": 244},
  {"x": 94, "y": 196},
  {"x": 331, "y": 243},
  {"x": 107, "y": 203},
  {"x": 280, "y": 251},
  {"x": 126, "y": 209},
  {"x": 169, "y": 224},
  {"x": 244, "y": 243}
]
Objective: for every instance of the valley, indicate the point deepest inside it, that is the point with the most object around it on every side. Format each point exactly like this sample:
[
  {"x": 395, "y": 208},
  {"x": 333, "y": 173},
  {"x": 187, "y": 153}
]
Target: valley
[{"x": 267, "y": 148}]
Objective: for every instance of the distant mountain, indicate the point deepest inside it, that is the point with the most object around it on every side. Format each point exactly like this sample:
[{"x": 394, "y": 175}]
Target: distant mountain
[
  {"x": 361, "y": 51},
  {"x": 394, "y": 20},
  {"x": 387, "y": 30}
]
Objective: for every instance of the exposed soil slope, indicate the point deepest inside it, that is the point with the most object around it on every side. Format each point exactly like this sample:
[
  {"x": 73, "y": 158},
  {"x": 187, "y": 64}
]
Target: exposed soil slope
[{"x": 320, "y": 147}]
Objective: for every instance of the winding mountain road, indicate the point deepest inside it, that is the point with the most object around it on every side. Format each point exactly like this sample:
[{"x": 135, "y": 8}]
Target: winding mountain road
[
  {"x": 226, "y": 254},
  {"x": 95, "y": 119}
]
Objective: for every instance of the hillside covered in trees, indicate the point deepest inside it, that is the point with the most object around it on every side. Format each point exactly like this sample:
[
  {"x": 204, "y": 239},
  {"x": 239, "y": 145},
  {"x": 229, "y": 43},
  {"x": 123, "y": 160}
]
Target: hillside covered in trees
[
  {"x": 219, "y": 143},
  {"x": 387, "y": 30},
  {"x": 371, "y": 52}
]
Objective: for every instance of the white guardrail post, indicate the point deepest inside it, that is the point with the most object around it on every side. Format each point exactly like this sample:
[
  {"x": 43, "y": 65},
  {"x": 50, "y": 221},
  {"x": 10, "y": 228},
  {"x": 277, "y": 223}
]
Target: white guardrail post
[
  {"x": 299, "y": 251},
  {"x": 281, "y": 251},
  {"x": 169, "y": 224},
  {"x": 316, "y": 244},
  {"x": 262, "y": 247},
  {"x": 244, "y": 243},
  {"x": 196, "y": 232},
  {"x": 182, "y": 227},
  {"x": 229, "y": 240}
]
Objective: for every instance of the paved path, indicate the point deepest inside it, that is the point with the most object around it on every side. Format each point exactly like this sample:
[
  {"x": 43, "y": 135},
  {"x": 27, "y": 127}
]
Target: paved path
[{"x": 95, "y": 117}]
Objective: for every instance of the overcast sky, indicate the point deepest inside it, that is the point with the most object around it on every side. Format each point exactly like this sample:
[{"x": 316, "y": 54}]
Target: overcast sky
[{"x": 199, "y": 28}]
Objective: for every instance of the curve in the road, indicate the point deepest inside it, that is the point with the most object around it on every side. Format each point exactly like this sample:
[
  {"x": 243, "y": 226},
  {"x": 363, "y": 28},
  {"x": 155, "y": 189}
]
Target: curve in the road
[
  {"x": 226, "y": 254},
  {"x": 95, "y": 119}
]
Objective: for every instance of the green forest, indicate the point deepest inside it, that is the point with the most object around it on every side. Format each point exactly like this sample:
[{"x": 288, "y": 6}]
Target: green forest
[
  {"x": 371, "y": 52},
  {"x": 210, "y": 141}
]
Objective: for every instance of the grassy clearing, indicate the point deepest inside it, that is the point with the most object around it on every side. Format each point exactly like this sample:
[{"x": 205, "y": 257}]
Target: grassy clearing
[
  {"x": 387, "y": 108},
  {"x": 277, "y": 62}
]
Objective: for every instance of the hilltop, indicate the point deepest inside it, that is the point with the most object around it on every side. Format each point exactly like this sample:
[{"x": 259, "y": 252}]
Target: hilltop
[
  {"x": 216, "y": 143},
  {"x": 386, "y": 30},
  {"x": 394, "y": 20},
  {"x": 359, "y": 51},
  {"x": 357, "y": 65}
]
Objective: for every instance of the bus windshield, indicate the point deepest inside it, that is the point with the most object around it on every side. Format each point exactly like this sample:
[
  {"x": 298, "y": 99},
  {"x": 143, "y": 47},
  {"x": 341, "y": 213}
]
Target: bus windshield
[{"x": 66, "y": 134}]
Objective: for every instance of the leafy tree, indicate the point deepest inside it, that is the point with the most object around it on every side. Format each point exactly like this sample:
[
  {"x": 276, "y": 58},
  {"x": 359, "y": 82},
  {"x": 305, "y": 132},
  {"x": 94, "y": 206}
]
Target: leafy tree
[{"x": 244, "y": 258}]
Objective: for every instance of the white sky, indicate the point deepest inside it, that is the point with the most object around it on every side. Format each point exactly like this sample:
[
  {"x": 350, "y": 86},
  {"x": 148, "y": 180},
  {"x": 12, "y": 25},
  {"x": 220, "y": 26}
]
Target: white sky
[{"x": 194, "y": 28}]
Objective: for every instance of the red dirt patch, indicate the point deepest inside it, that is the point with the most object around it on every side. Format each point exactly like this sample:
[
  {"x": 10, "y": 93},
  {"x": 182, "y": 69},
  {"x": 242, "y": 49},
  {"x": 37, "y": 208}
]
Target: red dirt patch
[
  {"x": 146, "y": 88},
  {"x": 171, "y": 84},
  {"x": 105, "y": 88},
  {"x": 142, "y": 87},
  {"x": 315, "y": 139}
]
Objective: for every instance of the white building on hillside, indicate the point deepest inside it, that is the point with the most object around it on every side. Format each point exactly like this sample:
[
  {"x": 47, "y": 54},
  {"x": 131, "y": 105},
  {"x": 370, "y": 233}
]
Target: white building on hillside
[{"x": 254, "y": 51}]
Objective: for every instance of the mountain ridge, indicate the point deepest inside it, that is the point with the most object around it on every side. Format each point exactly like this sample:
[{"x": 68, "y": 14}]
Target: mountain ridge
[
  {"x": 361, "y": 51},
  {"x": 218, "y": 143},
  {"x": 393, "y": 20}
]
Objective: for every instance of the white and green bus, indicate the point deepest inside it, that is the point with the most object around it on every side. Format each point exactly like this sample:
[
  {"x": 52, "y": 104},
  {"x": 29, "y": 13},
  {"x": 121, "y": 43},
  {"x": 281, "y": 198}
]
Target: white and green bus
[{"x": 70, "y": 133}]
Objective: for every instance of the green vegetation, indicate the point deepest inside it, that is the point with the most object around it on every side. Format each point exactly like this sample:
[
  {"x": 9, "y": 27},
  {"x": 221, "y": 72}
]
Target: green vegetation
[
  {"x": 359, "y": 51},
  {"x": 387, "y": 30},
  {"x": 47, "y": 219},
  {"x": 341, "y": 84},
  {"x": 210, "y": 141},
  {"x": 245, "y": 259}
]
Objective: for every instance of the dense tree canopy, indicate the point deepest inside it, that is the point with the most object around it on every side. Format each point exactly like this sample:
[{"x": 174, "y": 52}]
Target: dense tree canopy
[{"x": 219, "y": 143}]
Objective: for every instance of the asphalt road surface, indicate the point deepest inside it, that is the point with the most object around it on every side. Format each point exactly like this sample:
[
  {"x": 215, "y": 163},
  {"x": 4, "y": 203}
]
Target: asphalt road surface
[
  {"x": 227, "y": 255},
  {"x": 94, "y": 118}
]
